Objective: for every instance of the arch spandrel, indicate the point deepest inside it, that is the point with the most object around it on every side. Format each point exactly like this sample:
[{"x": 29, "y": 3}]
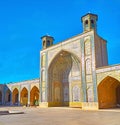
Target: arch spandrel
[
  {"x": 8, "y": 86},
  {"x": 103, "y": 75},
  {"x": 15, "y": 87},
  {"x": 58, "y": 53},
  {"x": 34, "y": 85},
  {"x": 25, "y": 86},
  {"x": 73, "y": 47},
  {"x": 52, "y": 54}
]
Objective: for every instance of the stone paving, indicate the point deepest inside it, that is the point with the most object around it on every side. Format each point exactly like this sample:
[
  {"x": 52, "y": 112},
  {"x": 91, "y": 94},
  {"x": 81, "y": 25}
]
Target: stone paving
[{"x": 59, "y": 116}]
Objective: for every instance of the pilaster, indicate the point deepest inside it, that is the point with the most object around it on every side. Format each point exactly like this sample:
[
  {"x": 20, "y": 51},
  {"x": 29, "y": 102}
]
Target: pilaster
[
  {"x": 94, "y": 69},
  {"x": 83, "y": 70},
  {"x": 29, "y": 95},
  {"x": 19, "y": 96},
  {"x": 11, "y": 101},
  {"x": 44, "y": 80}
]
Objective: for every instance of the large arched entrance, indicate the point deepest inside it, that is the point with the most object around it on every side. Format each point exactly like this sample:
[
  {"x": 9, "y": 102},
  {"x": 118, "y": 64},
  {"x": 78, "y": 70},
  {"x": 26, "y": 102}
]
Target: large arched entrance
[
  {"x": 24, "y": 97},
  {"x": 8, "y": 97},
  {"x": 34, "y": 96},
  {"x": 109, "y": 93},
  {"x": 0, "y": 98},
  {"x": 15, "y": 95},
  {"x": 63, "y": 71}
]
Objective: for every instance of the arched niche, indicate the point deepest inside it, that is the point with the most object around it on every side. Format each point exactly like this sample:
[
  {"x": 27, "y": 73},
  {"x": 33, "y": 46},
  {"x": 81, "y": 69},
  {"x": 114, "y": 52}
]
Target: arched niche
[
  {"x": 24, "y": 96},
  {"x": 109, "y": 93},
  {"x": 63, "y": 71},
  {"x": 34, "y": 96}
]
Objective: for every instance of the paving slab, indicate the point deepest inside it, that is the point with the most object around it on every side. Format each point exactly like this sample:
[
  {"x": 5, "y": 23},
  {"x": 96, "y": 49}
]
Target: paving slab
[{"x": 60, "y": 116}]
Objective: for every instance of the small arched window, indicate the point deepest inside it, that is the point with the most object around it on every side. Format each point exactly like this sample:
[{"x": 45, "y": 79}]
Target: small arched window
[
  {"x": 92, "y": 23},
  {"x": 86, "y": 22},
  {"x": 44, "y": 43},
  {"x": 48, "y": 43}
]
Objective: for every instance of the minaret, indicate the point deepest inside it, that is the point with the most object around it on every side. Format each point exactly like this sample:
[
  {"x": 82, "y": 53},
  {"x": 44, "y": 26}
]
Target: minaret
[
  {"x": 89, "y": 22},
  {"x": 47, "y": 41}
]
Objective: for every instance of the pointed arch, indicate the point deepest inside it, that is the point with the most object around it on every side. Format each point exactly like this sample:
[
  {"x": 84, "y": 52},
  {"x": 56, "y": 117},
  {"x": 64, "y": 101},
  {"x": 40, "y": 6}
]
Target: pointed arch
[
  {"x": 87, "y": 46},
  {"x": 76, "y": 93},
  {"x": 0, "y": 97},
  {"x": 88, "y": 66},
  {"x": 8, "y": 97},
  {"x": 109, "y": 93},
  {"x": 34, "y": 96},
  {"x": 24, "y": 96},
  {"x": 61, "y": 52},
  {"x": 15, "y": 96},
  {"x": 64, "y": 68}
]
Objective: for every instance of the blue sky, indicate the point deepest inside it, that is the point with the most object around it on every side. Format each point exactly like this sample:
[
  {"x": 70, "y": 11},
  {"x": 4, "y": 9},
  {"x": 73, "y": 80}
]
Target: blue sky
[{"x": 23, "y": 22}]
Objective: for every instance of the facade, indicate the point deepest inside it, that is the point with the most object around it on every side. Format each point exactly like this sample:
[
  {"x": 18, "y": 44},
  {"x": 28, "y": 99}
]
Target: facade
[
  {"x": 74, "y": 73},
  {"x": 20, "y": 93}
]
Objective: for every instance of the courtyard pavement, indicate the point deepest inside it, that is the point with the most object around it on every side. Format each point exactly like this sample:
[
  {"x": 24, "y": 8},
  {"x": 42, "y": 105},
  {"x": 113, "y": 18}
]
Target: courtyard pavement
[{"x": 59, "y": 116}]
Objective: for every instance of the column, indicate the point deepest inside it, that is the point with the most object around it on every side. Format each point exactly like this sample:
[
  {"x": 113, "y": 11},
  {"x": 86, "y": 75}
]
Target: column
[
  {"x": 11, "y": 103},
  {"x": 19, "y": 96},
  {"x": 28, "y": 96},
  {"x": 94, "y": 70},
  {"x": 3, "y": 95}
]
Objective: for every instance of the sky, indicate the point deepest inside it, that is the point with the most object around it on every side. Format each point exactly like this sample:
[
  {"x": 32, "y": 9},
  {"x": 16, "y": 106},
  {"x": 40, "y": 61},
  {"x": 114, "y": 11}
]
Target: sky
[{"x": 23, "y": 22}]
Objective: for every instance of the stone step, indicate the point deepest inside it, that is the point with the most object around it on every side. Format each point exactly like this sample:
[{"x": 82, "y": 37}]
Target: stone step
[{"x": 10, "y": 112}]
